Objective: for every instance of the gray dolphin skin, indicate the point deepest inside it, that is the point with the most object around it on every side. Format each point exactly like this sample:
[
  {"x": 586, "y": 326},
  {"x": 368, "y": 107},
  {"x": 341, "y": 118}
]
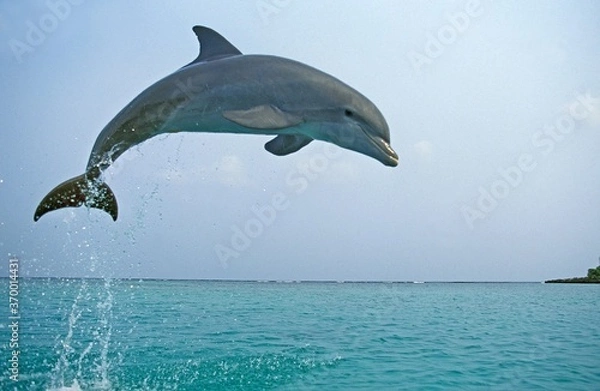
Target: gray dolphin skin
[{"x": 223, "y": 91}]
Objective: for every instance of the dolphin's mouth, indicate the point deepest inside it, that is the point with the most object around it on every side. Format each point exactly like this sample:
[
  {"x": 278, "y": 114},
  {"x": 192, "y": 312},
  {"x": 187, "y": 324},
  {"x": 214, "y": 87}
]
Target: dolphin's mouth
[{"x": 390, "y": 157}]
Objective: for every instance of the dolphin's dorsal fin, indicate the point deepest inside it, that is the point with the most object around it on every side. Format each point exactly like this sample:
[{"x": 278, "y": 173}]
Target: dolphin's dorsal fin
[{"x": 212, "y": 45}]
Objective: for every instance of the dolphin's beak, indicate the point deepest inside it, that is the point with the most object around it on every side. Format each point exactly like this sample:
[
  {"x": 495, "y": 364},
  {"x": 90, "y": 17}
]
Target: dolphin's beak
[{"x": 389, "y": 156}]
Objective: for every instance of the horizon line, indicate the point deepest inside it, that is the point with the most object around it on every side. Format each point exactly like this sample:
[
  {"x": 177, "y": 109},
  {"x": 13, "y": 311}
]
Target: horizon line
[{"x": 326, "y": 281}]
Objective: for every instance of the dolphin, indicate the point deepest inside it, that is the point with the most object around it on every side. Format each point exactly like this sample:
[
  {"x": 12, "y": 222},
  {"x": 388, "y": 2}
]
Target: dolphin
[{"x": 224, "y": 91}]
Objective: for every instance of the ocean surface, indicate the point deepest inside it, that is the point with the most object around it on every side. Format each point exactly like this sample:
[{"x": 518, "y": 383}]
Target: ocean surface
[{"x": 77, "y": 334}]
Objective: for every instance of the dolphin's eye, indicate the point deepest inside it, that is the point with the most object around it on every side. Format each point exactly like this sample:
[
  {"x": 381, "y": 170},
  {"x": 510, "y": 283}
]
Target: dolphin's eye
[{"x": 348, "y": 113}]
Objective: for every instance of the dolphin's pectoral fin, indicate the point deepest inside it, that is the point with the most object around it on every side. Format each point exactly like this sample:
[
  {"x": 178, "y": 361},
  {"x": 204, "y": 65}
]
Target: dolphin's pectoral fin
[
  {"x": 81, "y": 190},
  {"x": 212, "y": 46},
  {"x": 285, "y": 144},
  {"x": 263, "y": 117}
]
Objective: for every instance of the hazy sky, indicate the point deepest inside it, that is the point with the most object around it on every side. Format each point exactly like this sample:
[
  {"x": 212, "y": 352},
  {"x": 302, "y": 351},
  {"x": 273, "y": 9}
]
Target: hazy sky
[{"x": 493, "y": 107}]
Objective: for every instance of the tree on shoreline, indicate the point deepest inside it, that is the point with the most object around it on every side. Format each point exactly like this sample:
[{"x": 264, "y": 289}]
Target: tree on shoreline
[
  {"x": 594, "y": 274},
  {"x": 593, "y": 277}
]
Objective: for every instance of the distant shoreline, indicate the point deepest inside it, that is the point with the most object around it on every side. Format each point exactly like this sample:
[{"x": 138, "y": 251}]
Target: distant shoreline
[
  {"x": 573, "y": 280},
  {"x": 593, "y": 277}
]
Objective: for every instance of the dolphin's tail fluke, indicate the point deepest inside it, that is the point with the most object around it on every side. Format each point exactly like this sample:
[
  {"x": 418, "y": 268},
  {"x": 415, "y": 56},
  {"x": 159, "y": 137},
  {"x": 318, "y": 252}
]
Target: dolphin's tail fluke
[{"x": 87, "y": 189}]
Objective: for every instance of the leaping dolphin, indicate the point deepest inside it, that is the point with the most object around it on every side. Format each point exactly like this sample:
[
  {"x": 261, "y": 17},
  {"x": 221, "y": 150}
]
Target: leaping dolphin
[{"x": 227, "y": 92}]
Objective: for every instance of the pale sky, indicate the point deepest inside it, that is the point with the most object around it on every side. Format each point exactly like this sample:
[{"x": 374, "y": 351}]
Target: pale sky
[{"x": 493, "y": 107}]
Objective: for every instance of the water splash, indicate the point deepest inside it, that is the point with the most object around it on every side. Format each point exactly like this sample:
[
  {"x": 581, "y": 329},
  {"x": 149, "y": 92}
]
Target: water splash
[
  {"x": 87, "y": 341},
  {"x": 105, "y": 332},
  {"x": 74, "y": 387},
  {"x": 64, "y": 346}
]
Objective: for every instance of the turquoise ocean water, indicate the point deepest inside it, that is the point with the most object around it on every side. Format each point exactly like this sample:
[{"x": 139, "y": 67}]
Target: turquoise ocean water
[{"x": 201, "y": 335}]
